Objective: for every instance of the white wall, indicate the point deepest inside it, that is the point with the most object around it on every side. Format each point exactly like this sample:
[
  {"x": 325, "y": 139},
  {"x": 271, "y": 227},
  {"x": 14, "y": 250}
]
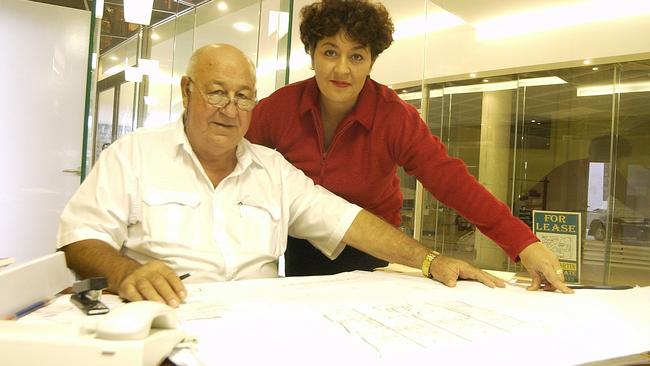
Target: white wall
[{"x": 43, "y": 73}]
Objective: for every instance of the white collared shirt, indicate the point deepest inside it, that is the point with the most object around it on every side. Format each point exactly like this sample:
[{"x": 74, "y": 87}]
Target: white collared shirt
[{"x": 149, "y": 197}]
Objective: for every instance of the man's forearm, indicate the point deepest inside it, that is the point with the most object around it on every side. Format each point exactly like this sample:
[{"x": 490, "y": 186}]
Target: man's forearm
[
  {"x": 374, "y": 236},
  {"x": 95, "y": 258}
]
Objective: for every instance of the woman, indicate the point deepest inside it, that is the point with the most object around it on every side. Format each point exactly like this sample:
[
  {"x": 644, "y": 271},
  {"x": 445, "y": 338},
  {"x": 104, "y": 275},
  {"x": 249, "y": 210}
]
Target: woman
[{"x": 349, "y": 134}]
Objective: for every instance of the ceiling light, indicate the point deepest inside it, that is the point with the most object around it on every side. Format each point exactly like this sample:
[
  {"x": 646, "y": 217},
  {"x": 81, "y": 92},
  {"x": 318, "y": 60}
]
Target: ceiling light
[
  {"x": 99, "y": 9},
  {"x": 472, "y": 75},
  {"x": 411, "y": 96},
  {"x": 595, "y": 68},
  {"x": 546, "y": 80},
  {"x": 243, "y": 27},
  {"x": 155, "y": 36},
  {"x": 148, "y": 67},
  {"x": 138, "y": 11},
  {"x": 485, "y": 80},
  {"x": 607, "y": 89},
  {"x": 221, "y": 5},
  {"x": 132, "y": 74},
  {"x": 503, "y": 85},
  {"x": 586, "y": 62},
  {"x": 479, "y": 88},
  {"x": 113, "y": 70},
  {"x": 433, "y": 93}
]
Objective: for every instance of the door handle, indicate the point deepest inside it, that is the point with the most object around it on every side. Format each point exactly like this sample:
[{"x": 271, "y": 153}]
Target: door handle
[{"x": 76, "y": 171}]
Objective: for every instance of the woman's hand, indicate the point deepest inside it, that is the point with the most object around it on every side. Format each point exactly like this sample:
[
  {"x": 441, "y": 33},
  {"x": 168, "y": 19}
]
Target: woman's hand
[{"x": 543, "y": 267}]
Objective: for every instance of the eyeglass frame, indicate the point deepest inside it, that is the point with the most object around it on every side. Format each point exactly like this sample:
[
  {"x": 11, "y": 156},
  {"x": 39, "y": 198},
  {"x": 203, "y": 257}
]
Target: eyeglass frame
[{"x": 222, "y": 101}]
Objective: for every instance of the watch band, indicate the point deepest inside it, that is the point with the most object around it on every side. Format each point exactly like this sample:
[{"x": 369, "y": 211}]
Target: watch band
[{"x": 426, "y": 263}]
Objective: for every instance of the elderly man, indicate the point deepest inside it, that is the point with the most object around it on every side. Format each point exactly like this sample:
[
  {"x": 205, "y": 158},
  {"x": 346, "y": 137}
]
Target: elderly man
[{"x": 195, "y": 196}]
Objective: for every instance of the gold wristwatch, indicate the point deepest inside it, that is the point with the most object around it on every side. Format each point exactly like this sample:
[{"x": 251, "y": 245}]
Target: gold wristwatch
[{"x": 426, "y": 263}]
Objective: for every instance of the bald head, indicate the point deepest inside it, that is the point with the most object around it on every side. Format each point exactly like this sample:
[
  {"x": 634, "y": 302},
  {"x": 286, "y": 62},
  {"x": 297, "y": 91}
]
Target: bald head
[
  {"x": 212, "y": 54},
  {"x": 218, "y": 95}
]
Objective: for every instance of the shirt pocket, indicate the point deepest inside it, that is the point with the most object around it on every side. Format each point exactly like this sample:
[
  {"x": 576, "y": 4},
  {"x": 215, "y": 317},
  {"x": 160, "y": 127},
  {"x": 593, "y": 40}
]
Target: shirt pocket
[
  {"x": 258, "y": 228},
  {"x": 171, "y": 217}
]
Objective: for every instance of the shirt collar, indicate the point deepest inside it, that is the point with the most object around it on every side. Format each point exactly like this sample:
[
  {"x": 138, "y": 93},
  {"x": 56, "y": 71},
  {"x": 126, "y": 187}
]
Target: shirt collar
[
  {"x": 245, "y": 157},
  {"x": 363, "y": 111},
  {"x": 180, "y": 137}
]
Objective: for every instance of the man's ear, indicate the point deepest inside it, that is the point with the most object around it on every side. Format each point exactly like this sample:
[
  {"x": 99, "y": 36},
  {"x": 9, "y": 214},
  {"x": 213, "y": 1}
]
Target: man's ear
[{"x": 185, "y": 90}]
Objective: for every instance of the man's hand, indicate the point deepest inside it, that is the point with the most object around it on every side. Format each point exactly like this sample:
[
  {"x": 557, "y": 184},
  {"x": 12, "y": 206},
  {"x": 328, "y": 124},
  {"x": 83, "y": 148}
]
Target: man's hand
[
  {"x": 543, "y": 267},
  {"x": 153, "y": 281},
  {"x": 448, "y": 270}
]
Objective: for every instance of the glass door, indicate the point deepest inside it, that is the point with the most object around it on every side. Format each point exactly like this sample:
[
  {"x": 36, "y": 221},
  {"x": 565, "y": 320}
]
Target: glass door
[
  {"x": 104, "y": 126},
  {"x": 125, "y": 109},
  {"x": 115, "y": 111}
]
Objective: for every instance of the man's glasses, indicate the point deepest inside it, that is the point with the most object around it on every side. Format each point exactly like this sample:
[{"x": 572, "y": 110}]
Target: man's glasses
[{"x": 221, "y": 100}]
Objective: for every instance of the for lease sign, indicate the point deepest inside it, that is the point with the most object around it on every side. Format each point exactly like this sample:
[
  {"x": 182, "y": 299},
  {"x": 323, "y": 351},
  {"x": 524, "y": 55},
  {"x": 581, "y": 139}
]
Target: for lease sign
[{"x": 561, "y": 233}]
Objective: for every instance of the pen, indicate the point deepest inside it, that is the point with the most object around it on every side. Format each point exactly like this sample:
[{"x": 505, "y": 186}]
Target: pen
[
  {"x": 598, "y": 287},
  {"x": 22, "y": 312},
  {"x": 184, "y": 276},
  {"x": 576, "y": 286}
]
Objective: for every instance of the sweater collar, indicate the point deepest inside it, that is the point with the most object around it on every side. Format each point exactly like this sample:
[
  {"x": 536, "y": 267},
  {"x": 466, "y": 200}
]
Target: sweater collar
[{"x": 363, "y": 111}]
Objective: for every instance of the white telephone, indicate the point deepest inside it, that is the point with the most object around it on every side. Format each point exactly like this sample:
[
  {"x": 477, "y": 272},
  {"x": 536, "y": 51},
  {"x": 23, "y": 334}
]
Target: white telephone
[{"x": 137, "y": 333}]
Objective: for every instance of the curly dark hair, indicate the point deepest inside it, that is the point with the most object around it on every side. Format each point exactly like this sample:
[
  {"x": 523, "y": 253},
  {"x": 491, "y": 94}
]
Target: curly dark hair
[{"x": 365, "y": 22}]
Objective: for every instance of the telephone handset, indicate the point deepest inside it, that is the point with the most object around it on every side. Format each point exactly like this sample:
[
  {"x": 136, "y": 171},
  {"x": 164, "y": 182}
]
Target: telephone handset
[
  {"x": 136, "y": 333},
  {"x": 136, "y": 320}
]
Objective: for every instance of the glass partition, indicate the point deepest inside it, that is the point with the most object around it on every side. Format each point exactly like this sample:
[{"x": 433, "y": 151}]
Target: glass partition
[
  {"x": 563, "y": 149},
  {"x": 157, "y": 98},
  {"x": 408, "y": 184},
  {"x": 154, "y": 60},
  {"x": 571, "y": 140},
  {"x": 104, "y": 127},
  {"x": 183, "y": 48},
  {"x": 627, "y": 230},
  {"x": 118, "y": 58},
  {"x": 125, "y": 108}
]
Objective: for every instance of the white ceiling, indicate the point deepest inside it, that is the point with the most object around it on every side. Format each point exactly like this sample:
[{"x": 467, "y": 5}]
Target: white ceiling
[{"x": 475, "y": 11}]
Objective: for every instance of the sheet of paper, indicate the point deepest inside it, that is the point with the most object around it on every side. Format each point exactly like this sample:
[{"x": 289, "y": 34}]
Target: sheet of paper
[
  {"x": 388, "y": 316},
  {"x": 384, "y": 318}
]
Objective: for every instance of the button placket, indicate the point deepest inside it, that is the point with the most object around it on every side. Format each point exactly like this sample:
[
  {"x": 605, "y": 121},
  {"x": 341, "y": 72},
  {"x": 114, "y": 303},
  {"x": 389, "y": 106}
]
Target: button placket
[{"x": 220, "y": 236}]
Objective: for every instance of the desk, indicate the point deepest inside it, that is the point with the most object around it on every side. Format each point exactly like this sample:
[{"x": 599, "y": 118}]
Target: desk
[{"x": 382, "y": 318}]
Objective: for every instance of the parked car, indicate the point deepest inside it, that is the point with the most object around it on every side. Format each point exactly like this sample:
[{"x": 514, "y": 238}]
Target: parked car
[{"x": 623, "y": 228}]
